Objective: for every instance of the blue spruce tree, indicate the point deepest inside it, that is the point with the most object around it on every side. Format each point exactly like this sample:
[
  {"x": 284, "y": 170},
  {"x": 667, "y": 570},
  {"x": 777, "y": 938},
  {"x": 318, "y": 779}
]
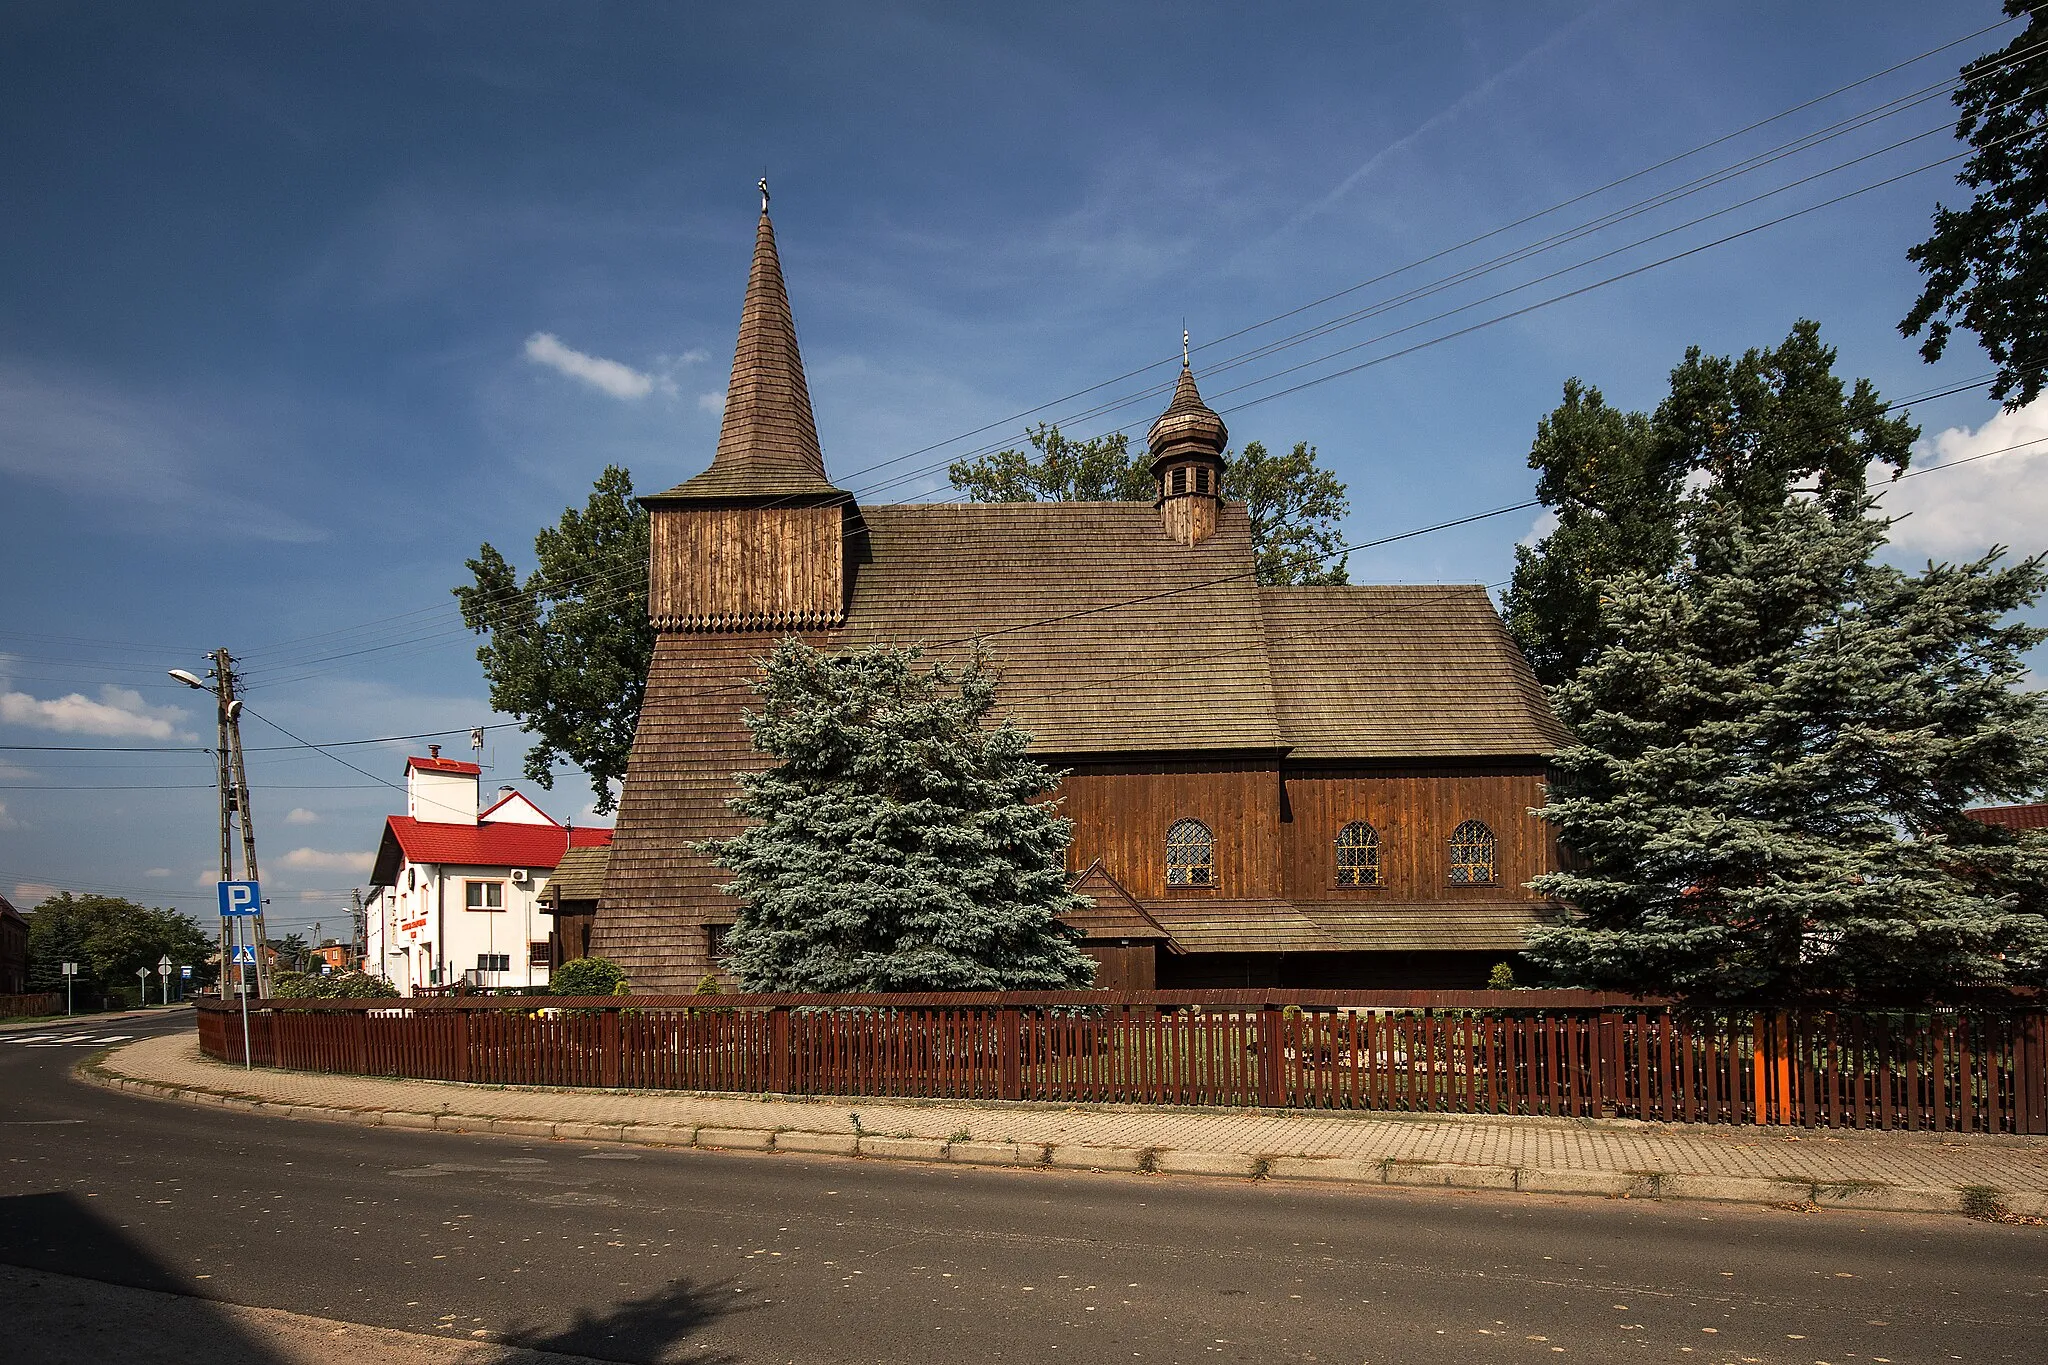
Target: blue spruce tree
[
  {"x": 1778, "y": 736},
  {"x": 899, "y": 843}
]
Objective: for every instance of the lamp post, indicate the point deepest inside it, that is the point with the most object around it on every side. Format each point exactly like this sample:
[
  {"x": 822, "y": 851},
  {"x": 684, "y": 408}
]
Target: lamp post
[{"x": 233, "y": 783}]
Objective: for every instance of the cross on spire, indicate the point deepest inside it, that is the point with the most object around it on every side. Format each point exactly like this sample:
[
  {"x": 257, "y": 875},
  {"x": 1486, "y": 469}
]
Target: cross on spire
[
  {"x": 1184, "y": 348},
  {"x": 764, "y": 194}
]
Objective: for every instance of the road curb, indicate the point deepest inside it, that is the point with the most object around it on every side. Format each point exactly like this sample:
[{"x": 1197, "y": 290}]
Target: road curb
[{"x": 1775, "y": 1192}]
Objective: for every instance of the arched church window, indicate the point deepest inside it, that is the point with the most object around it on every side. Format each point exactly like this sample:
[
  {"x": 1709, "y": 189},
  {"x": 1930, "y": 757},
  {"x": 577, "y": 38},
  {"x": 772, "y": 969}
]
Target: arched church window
[
  {"x": 1358, "y": 855},
  {"x": 1472, "y": 855},
  {"x": 1190, "y": 854}
]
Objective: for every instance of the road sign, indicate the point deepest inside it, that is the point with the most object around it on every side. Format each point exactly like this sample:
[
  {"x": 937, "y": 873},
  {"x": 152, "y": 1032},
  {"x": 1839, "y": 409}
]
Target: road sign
[
  {"x": 240, "y": 900},
  {"x": 245, "y": 952},
  {"x": 163, "y": 965},
  {"x": 184, "y": 973},
  {"x": 71, "y": 969}
]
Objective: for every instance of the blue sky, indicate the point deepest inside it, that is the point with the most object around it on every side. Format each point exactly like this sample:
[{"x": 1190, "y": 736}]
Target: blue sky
[{"x": 304, "y": 302}]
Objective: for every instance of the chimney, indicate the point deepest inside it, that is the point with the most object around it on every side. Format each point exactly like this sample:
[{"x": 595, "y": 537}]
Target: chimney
[{"x": 433, "y": 751}]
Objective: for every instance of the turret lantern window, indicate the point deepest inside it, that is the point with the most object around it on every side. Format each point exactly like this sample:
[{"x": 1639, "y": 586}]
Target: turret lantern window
[
  {"x": 1358, "y": 855},
  {"x": 1190, "y": 854},
  {"x": 1180, "y": 479},
  {"x": 1472, "y": 855},
  {"x": 1201, "y": 480}
]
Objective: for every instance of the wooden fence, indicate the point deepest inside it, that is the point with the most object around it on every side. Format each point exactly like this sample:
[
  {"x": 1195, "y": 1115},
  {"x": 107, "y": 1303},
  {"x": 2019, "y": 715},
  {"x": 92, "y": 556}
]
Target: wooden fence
[
  {"x": 42, "y": 1002},
  {"x": 1558, "y": 1053}
]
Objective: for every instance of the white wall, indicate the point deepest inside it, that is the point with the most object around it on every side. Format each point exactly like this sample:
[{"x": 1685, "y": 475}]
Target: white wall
[{"x": 428, "y": 926}]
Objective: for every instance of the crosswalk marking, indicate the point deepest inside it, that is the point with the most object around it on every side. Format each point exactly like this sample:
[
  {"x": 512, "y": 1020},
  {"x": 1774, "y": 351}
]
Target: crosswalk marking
[{"x": 65, "y": 1039}]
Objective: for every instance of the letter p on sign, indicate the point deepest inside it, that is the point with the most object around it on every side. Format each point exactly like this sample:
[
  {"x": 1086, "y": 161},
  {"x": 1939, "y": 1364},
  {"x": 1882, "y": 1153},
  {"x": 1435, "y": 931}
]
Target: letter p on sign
[{"x": 239, "y": 900}]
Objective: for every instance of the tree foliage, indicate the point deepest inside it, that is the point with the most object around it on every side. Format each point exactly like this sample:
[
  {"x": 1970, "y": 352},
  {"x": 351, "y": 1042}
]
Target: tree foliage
[
  {"x": 569, "y": 648},
  {"x": 110, "y": 937},
  {"x": 1296, "y": 506},
  {"x": 1755, "y": 426},
  {"x": 1986, "y": 265},
  {"x": 1778, "y": 736},
  {"x": 900, "y": 842},
  {"x": 349, "y": 985},
  {"x": 1103, "y": 469}
]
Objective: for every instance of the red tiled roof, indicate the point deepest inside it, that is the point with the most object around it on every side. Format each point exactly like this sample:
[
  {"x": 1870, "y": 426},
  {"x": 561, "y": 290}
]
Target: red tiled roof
[
  {"x": 444, "y": 765},
  {"x": 501, "y": 844},
  {"x": 2034, "y": 816}
]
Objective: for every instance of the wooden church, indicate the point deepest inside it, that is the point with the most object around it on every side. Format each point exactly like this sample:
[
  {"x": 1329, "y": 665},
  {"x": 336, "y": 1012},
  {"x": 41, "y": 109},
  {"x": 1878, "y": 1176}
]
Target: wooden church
[{"x": 1270, "y": 786}]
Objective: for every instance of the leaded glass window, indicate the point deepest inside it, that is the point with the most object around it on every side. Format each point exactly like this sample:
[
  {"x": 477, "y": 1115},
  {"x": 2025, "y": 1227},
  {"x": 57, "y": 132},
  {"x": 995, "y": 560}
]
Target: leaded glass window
[
  {"x": 1472, "y": 855},
  {"x": 1190, "y": 854},
  {"x": 1358, "y": 855}
]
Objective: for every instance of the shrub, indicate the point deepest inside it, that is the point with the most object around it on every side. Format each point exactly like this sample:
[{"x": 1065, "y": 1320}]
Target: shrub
[
  {"x": 1501, "y": 978},
  {"x": 706, "y": 985},
  {"x": 294, "y": 986},
  {"x": 354, "y": 986},
  {"x": 587, "y": 976}
]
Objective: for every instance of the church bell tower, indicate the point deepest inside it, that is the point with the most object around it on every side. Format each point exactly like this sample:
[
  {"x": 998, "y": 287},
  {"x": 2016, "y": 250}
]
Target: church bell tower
[
  {"x": 1187, "y": 462},
  {"x": 757, "y": 542}
]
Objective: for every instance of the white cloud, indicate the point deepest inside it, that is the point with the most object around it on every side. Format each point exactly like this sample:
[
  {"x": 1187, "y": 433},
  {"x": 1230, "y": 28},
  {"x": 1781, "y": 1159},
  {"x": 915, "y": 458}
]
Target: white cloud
[
  {"x": 606, "y": 376},
  {"x": 711, "y": 402},
  {"x": 317, "y": 860},
  {"x": 1546, "y": 522},
  {"x": 1952, "y": 509},
  {"x": 158, "y": 872},
  {"x": 120, "y": 713},
  {"x": 26, "y": 894},
  {"x": 299, "y": 815},
  {"x": 7, "y": 821}
]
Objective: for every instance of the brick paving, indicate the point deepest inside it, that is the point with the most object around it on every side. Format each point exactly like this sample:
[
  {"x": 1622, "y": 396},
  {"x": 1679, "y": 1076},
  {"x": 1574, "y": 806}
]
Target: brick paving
[{"x": 1925, "y": 1161}]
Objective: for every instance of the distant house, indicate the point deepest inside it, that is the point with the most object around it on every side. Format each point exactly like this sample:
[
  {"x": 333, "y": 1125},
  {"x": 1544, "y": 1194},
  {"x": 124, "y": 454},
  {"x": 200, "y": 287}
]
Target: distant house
[
  {"x": 331, "y": 956},
  {"x": 570, "y": 896},
  {"x": 2033, "y": 816},
  {"x": 456, "y": 887},
  {"x": 13, "y": 950}
]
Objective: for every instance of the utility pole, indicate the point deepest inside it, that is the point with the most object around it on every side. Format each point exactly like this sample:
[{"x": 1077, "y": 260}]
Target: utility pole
[
  {"x": 232, "y": 780},
  {"x": 359, "y": 942}
]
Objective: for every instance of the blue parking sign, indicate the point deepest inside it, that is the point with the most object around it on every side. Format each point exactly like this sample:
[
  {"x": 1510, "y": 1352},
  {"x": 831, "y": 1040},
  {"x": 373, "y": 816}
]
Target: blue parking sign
[{"x": 240, "y": 900}]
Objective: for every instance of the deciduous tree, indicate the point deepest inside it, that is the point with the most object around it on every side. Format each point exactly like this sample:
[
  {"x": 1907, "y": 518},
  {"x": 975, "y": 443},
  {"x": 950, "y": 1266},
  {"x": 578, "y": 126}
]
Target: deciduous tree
[
  {"x": 569, "y": 648},
  {"x": 1986, "y": 264}
]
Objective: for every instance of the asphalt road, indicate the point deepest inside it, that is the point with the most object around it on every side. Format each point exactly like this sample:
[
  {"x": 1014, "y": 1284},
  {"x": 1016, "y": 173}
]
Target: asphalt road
[{"x": 689, "y": 1256}]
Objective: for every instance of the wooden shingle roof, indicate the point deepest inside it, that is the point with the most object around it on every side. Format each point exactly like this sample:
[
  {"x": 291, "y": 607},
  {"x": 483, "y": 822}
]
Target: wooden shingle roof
[
  {"x": 1402, "y": 672},
  {"x": 578, "y": 877},
  {"x": 768, "y": 441},
  {"x": 1109, "y": 636}
]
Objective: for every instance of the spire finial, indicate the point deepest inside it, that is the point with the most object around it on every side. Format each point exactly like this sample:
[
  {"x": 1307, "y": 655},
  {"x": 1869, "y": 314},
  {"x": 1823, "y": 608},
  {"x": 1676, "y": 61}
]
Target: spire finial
[
  {"x": 764, "y": 194},
  {"x": 1184, "y": 346}
]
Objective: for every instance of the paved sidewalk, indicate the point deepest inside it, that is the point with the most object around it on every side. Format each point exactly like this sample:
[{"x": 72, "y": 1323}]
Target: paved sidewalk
[{"x": 1907, "y": 1172}]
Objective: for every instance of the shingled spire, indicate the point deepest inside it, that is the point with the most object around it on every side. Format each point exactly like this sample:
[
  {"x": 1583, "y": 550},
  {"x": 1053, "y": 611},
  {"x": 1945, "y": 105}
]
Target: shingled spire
[
  {"x": 1187, "y": 460},
  {"x": 768, "y": 444},
  {"x": 757, "y": 542}
]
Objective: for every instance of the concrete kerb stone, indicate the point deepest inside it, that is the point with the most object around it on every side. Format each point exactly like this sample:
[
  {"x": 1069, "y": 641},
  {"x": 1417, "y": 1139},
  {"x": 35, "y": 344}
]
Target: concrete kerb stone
[{"x": 1756, "y": 1190}]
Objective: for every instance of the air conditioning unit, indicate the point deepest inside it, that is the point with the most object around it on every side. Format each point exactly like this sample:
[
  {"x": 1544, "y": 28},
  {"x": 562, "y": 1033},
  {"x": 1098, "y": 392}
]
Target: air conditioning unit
[{"x": 518, "y": 876}]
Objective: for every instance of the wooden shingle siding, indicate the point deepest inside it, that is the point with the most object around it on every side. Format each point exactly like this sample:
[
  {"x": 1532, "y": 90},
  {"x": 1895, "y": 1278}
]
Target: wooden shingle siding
[{"x": 746, "y": 568}]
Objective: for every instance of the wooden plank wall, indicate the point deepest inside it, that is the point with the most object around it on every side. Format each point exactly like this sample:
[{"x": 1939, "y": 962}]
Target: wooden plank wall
[
  {"x": 746, "y": 568},
  {"x": 1285, "y": 849}
]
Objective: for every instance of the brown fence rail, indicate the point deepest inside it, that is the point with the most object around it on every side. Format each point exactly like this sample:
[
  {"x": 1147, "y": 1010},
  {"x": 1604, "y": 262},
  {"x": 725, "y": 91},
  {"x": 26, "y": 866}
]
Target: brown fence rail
[
  {"x": 45, "y": 1002},
  {"x": 1557, "y": 1053}
]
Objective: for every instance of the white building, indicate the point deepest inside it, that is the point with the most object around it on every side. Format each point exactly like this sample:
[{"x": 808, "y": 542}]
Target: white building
[{"x": 455, "y": 886}]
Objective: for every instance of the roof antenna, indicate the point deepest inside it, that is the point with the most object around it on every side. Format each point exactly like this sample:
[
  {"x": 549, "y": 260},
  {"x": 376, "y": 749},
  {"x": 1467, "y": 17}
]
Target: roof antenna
[{"x": 764, "y": 193}]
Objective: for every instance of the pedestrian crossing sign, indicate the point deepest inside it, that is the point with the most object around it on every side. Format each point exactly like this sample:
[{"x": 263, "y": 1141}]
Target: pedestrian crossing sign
[{"x": 245, "y": 952}]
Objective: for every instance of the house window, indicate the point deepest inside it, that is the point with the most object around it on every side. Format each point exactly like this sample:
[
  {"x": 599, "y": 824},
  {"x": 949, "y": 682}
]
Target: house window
[
  {"x": 1472, "y": 855},
  {"x": 537, "y": 953},
  {"x": 483, "y": 895},
  {"x": 1358, "y": 855},
  {"x": 494, "y": 962},
  {"x": 1190, "y": 854},
  {"x": 715, "y": 940}
]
